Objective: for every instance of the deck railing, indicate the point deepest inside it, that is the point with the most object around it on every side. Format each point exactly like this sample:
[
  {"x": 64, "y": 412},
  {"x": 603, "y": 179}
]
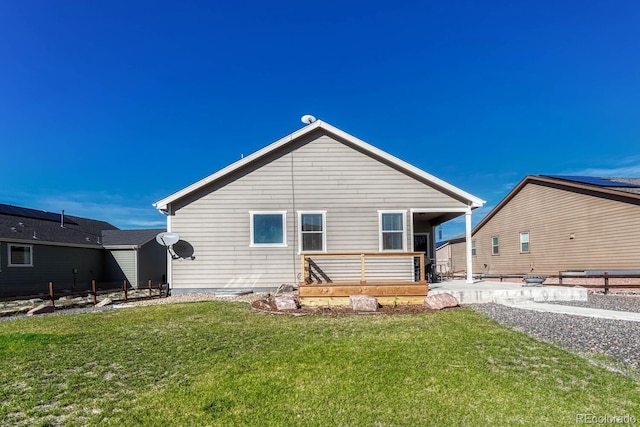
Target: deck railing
[{"x": 308, "y": 265}]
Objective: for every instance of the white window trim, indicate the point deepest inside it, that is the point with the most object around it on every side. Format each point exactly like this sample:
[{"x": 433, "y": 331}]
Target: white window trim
[
  {"x": 268, "y": 245},
  {"x": 404, "y": 230},
  {"x": 528, "y": 242},
  {"x": 474, "y": 248},
  {"x": 9, "y": 246},
  {"x": 495, "y": 246},
  {"x": 324, "y": 231}
]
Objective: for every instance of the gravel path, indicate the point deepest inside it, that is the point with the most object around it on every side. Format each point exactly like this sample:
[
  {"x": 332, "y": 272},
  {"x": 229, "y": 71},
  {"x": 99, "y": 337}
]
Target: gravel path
[
  {"x": 607, "y": 302},
  {"x": 617, "y": 338}
]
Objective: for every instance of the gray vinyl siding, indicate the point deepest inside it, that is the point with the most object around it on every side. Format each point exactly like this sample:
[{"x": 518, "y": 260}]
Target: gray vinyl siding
[
  {"x": 322, "y": 175},
  {"x": 152, "y": 264},
  {"x": 124, "y": 265},
  {"x": 567, "y": 231},
  {"x": 50, "y": 264}
]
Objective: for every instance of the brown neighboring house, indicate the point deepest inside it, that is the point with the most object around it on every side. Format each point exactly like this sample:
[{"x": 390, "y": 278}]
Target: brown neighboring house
[
  {"x": 451, "y": 257},
  {"x": 548, "y": 224}
]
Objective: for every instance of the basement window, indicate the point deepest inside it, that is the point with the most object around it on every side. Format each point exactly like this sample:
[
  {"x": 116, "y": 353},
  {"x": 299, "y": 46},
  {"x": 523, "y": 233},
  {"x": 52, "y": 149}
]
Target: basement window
[
  {"x": 20, "y": 255},
  {"x": 268, "y": 229}
]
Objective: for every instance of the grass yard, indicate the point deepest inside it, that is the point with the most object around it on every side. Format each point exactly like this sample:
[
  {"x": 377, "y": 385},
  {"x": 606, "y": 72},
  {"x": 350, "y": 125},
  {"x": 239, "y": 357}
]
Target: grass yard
[{"x": 218, "y": 363}]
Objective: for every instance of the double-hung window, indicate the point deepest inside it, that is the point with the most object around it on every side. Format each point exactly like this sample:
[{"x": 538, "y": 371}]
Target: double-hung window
[
  {"x": 268, "y": 229},
  {"x": 473, "y": 248},
  {"x": 495, "y": 245},
  {"x": 20, "y": 255},
  {"x": 392, "y": 230},
  {"x": 312, "y": 226},
  {"x": 524, "y": 242}
]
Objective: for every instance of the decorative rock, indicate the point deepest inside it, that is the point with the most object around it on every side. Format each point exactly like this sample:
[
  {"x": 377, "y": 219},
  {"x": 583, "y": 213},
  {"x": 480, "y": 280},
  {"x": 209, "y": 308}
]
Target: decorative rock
[
  {"x": 104, "y": 302},
  {"x": 41, "y": 309},
  {"x": 363, "y": 303},
  {"x": 440, "y": 301},
  {"x": 286, "y": 302},
  {"x": 263, "y": 304}
]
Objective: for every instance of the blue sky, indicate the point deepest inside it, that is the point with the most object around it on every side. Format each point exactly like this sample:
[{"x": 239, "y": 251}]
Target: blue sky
[{"x": 109, "y": 106}]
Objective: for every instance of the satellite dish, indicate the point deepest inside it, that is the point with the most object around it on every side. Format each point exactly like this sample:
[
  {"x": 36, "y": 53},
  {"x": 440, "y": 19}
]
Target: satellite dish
[
  {"x": 308, "y": 119},
  {"x": 167, "y": 239}
]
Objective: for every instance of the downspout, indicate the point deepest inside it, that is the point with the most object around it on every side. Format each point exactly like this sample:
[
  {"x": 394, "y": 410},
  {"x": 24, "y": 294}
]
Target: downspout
[
  {"x": 467, "y": 217},
  {"x": 169, "y": 257}
]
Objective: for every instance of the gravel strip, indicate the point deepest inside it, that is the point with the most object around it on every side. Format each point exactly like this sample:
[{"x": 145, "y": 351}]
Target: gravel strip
[
  {"x": 616, "y": 338},
  {"x": 607, "y": 302},
  {"x": 174, "y": 299}
]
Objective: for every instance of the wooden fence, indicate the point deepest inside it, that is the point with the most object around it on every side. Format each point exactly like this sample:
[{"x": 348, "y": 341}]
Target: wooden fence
[{"x": 607, "y": 279}]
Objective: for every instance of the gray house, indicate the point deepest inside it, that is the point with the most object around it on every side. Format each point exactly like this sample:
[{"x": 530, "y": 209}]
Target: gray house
[
  {"x": 134, "y": 255},
  {"x": 38, "y": 247},
  {"x": 318, "y": 190}
]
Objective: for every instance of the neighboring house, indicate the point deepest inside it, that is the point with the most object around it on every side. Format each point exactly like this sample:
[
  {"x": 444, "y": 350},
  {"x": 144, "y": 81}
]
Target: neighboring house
[
  {"x": 38, "y": 247},
  {"x": 450, "y": 256},
  {"x": 317, "y": 190},
  {"x": 548, "y": 224},
  {"x": 135, "y": 255}
]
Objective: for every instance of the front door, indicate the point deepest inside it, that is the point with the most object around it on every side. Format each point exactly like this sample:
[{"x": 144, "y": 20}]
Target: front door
[{"x": 422, "y": 243}]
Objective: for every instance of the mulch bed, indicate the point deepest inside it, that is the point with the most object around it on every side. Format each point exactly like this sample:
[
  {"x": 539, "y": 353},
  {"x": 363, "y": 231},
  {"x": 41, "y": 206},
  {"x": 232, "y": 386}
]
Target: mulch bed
[{"x": 269, "y": 306}]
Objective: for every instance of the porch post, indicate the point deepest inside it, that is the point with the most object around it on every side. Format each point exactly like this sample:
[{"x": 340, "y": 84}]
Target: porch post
[{"x": 467, "y": 217}]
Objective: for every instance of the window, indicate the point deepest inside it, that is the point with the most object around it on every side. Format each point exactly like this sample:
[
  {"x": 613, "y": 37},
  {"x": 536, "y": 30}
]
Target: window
[
  {"x": 312, "y": 231},
  {"x": 268, "y": 229},
  {"x": 473, "y": 248},
  {"x": 20, "y": 255},
  {"x": 392, "y": 231},
  {"x": 524, "y": 242},
  {"x": 495, "y": 246}
]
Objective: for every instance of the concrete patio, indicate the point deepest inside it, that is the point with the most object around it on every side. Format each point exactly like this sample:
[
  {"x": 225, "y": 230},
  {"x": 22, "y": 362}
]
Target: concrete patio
[{"x": 481, "y": 292}]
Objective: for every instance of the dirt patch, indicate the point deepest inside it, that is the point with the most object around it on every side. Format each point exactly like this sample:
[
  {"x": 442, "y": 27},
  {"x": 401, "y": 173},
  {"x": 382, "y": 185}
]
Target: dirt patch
[{"x": 267, "y": 305}]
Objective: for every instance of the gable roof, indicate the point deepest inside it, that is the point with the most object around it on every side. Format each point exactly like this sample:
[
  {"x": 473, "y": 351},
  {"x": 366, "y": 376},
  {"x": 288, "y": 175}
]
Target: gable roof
[
  {"x": 621, "y": 189},
  {"x": 473, "y": 201},
  {"x": 18, "y": 224},
  {"x": 119, "y": 239}
]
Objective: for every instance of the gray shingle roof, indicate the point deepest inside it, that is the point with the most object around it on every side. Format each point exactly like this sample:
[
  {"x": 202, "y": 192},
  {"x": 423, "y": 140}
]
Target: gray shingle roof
[
  {"x": 31, "y": 225},
  {"x": 129, "y": 237}
]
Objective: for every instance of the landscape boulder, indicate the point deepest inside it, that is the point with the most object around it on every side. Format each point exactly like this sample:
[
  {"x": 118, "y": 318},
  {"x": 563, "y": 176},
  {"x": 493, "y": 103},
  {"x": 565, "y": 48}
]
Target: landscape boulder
[
  {"x": 286, "y": 302},
  {"x": 440, "y": 301},
  {"x": 41, "y": 309},
  {"x": 363, "y": 303}
]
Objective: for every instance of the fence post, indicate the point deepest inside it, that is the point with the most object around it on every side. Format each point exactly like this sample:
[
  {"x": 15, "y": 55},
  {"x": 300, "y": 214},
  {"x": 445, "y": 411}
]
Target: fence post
[
  {"x": 51, "y": 296},
  {"x": 149, "y": 288},
  {"x": 93, "y": 292},
  {"x": 423, "y": 278},
  {"x": 125, "y": 289},
  {"x": 606, "y": 282},
  {"x": 560, "y": 278}
]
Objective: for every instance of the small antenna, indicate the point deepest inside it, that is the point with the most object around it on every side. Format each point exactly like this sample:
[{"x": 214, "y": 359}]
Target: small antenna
[{"x": 307, "y": 119}]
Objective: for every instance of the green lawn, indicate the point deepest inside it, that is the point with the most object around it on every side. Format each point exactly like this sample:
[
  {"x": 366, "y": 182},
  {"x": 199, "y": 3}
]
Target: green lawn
[{"x": 218, "y": 363}]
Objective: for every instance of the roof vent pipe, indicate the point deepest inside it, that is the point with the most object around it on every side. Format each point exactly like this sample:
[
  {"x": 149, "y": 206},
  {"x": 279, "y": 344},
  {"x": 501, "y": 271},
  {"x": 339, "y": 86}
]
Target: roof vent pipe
[{"x": 62, "y": 219}]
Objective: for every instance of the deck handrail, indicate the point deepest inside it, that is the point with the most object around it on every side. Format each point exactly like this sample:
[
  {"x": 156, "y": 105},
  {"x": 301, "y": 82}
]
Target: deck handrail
[{"x": 306, "y": 270}]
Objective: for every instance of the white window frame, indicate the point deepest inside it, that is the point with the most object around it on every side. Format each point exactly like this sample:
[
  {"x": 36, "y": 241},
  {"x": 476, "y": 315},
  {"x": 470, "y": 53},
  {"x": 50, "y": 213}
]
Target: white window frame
[
  {"x": 474, "y": 249},
  {"x": 268, "y": 245},
  {"x": 404, "y": 230},
  {"x": 11, "y": 245},
  {"x": 324, "y": 231},
  {"x": 497, "y": 252},
  {"x": 528, "y": 242}
]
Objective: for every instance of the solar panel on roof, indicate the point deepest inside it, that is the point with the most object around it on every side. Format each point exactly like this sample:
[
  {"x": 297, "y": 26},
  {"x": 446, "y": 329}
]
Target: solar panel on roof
[
  {"x": 593, "y": 180},
  {"x": 33, "y": 213}
]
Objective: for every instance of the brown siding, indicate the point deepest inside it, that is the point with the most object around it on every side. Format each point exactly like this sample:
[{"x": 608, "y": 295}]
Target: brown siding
[
  {"x": 458, "y": 257},
  {"x": 567, "y": 231}
]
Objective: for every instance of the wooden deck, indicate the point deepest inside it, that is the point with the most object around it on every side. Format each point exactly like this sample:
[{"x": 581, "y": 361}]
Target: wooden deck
[{"x": 318, "y": 289}]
